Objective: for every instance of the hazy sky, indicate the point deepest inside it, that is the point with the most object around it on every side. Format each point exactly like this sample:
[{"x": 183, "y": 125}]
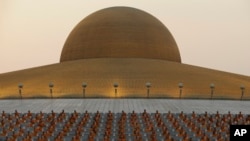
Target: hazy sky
[{"x": 210, "y": 33}]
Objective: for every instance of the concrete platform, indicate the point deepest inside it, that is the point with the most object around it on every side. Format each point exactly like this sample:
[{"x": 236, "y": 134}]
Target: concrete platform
[{"x": 128, "y": 105}]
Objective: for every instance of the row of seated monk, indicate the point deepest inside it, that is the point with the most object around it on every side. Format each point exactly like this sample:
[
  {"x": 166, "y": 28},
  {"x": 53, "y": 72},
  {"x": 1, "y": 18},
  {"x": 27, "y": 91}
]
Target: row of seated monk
[{"x": 122, "y": 126}]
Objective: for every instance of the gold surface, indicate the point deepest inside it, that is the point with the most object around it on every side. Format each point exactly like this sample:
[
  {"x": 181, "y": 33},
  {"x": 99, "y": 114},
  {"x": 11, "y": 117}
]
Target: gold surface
[
  {"x": 120, "y": 32},
  {"x": 126, "y": 46},
  {"x": 130, "y": 73}
]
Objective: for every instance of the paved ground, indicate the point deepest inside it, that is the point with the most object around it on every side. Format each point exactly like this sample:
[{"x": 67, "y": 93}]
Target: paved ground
[{"x": 128, "y": 105}]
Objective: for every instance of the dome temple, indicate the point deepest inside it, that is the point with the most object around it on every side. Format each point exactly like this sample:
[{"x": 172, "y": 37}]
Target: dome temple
[
  {"x": 120, "y": 32},
  {"x": 117, "y": 52}
]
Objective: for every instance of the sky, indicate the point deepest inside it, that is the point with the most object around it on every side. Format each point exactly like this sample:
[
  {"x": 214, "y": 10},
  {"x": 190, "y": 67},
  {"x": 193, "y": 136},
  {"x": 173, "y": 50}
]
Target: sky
[{"x": 209, "y": 33}]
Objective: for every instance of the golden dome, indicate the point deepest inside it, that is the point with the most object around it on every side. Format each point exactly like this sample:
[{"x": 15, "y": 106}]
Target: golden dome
[
  {"x": 128, "y": 47},
  {"x": 120, "y": 32}
]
